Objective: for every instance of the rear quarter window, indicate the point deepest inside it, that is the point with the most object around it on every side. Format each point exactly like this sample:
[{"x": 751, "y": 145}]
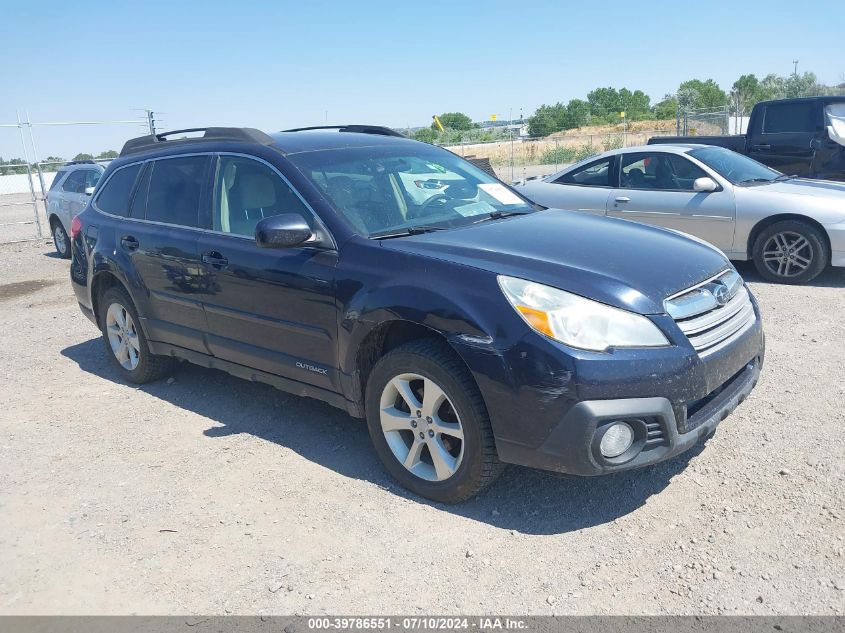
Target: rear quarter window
[
  {"x": 785, "y": 118},
  {"x": 57, "y": 179},
  {"x": 115, "y": 194}
]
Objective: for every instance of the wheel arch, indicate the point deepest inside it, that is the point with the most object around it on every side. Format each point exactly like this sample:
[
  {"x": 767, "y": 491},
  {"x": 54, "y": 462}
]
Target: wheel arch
[
  {"x": 100, "y": 283},
  {"x": 766, "y": 222}
]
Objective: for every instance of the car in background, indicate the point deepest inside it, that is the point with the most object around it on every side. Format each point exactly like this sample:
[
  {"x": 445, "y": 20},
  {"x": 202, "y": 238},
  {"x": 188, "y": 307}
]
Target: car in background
[
  {"x": 470, "y": 328},
  {"x": 69, "y": 193},
  {"x": 792, "y": 228},
  {"x": 803, "y": 136}
]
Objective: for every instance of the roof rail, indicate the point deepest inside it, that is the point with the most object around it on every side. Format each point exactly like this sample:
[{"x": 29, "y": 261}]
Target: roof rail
[
  {"x": 154, "y": 141},
  {"x": 359, "y": 129},
  {"x": 81, "y": 162}
]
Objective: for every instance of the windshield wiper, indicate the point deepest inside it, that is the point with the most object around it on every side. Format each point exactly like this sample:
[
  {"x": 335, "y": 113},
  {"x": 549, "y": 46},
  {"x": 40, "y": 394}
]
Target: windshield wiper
[
  {"x": 783, "y": 177},
  {"x": 753, "y": 180},
  {"x": 411, "y": 230},
  {"x": 497, "y": 215}
]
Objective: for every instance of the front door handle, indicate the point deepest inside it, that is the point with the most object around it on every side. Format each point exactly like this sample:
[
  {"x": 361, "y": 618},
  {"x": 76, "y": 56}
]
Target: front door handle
[
  {"x": 129, "y": 243},
  {"x": 214, "y": 259},
  {"x": 761, "y": 148},
  {"x": 623, "y": 199}
]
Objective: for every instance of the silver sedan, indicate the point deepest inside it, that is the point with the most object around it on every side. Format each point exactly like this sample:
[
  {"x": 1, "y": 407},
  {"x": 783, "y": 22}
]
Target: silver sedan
[{"x": 792, "y": 228}]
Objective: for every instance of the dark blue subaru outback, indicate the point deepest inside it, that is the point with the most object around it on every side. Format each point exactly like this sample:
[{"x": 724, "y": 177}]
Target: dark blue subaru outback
[{"x": 401, "y": 283}]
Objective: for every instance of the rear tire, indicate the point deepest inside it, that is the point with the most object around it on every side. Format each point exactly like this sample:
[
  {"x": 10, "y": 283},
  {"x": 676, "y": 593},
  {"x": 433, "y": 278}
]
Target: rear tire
[
  {"x": 61, "y": 240},
  {"x": 790, "y": 252},
  {"x": 125, "y": 343},
  {"x": 425, "y": 410}
]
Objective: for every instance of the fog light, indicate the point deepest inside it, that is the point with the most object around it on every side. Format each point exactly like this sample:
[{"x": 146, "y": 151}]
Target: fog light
[{"x": 616, "y": 440}]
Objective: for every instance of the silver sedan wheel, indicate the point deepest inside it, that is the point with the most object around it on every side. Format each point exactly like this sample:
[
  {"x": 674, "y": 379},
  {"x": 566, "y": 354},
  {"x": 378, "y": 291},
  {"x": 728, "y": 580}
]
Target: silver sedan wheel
[
  {"x": 422, "y": 427},
  {"x": 60, "y": 239},
  {"x": 787, "y": 254},
  {"x": 123, "y": 337}
]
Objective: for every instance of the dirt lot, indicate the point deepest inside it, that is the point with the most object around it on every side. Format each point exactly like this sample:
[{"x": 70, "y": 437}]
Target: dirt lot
[{"x": 215, "y": 495}]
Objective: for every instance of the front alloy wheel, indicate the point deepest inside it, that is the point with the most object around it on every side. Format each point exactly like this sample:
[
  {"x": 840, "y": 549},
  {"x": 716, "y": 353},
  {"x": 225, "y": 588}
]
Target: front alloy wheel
[
  {"x": 421, "y": 427},
  {"x": 429, "y": 424},
  {"x": 791, "y": 252}
]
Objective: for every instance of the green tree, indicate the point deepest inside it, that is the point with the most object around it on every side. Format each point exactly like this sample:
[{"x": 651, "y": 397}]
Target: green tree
[
  {"x": 605, "y": 104},
  {"x": 83, "y": 157},
  {"x": 636, "y": 105},
  {"x": 703, "y": 94},
  {"x": 577, "y": 114},
  {"x": 426, "y": 135},
  {"x": 745, "y": 93},
  {"x": 454, "y": 121},
  {"x": 806, "y": 85},
  {"x": 108, "y": 154},
  {"x": 667, "y": 108},
  {"x": 772, "y": 87},
  {"x": 547, "y": 120}
]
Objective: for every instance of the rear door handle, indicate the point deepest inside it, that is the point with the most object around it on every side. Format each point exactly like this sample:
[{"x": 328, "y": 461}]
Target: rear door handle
[
  {"x": 623, "y": 199},
  {"x": 214, "y": 259},
  {"x": 761, "y": 148},
  {"x": 129, "y": 243}
]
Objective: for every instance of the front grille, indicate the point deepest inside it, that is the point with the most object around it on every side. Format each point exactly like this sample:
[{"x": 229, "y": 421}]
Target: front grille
[{"x": 714, "y": 313}]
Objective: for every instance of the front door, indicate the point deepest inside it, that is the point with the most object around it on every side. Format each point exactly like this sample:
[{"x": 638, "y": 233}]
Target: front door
[
  {"x": 271, "y": 309},
  {"x": 657, "y": 188},
  {"x": 785, "y": 143}
]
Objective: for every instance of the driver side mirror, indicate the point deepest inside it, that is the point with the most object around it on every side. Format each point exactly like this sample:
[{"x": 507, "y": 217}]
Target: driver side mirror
[
  {"x": 89, "y": 191},
  {"x": 287, "y": 230},
  {"x": 704, "y": 185}
]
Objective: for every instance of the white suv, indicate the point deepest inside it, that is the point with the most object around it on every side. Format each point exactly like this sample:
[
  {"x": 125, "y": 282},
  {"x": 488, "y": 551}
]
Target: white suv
[{"x": 69, "y": 194}]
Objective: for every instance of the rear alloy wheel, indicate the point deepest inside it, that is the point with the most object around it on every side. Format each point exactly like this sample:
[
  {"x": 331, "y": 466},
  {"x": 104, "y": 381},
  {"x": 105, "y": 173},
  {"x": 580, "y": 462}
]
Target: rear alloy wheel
[
  {"x": 61, "y": 240},
  {"x": 791, "y": 252},
  {"x": 429, "y": 424},
  {"x": 125, "y": 342}
]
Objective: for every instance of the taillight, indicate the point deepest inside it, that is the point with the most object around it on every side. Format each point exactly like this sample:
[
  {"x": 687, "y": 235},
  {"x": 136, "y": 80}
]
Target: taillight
[{"x": 75, "y": 227}]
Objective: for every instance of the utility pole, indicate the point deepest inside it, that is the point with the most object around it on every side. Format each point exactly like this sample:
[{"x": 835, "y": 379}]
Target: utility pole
[
  {"x": 151, "y": 121},
  {"x": 794, "y": 66}
]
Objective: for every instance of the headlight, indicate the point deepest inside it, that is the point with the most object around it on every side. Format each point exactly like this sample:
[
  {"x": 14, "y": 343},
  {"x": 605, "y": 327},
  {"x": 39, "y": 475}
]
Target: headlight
[{"x": 576, "y": 321}]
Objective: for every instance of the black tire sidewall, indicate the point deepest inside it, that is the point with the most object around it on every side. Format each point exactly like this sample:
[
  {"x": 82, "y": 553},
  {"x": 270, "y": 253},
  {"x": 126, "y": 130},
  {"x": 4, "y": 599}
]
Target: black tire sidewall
[
  {"x": 460, "y": 485},
  {"x": 117, "y": 295},
  {"x": 821, "y": 254}
]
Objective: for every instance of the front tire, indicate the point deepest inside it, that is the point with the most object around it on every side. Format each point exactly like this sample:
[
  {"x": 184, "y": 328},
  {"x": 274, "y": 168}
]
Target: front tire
[
  {"x": 125, "y": 342},
  {"x": 790, "y": 252},
  {"x": 60, "y": 240},
  {"x": 429, "y": 424}
]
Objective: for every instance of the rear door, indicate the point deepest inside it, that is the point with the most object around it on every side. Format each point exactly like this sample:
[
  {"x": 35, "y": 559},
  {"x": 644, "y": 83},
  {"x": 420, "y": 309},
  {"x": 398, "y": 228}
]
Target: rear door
[
  {"x": 271, "y": 309},
  {"x": 160, "y": 240},
  {"x": 784, "y": 141},
  {"x": 72, "y": 199},
  {"x": 657, "y": 188}
]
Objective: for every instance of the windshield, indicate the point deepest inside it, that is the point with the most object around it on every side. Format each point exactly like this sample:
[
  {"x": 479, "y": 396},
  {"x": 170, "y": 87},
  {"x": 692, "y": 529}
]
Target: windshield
[
  {"x": 406, "y": 188},
  {"x": 735, "y": 167}
]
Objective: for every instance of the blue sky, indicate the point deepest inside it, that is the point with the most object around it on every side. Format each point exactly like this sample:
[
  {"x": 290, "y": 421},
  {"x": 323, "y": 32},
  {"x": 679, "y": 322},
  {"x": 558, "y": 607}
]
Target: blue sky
[{"x": 280, "y": 64}]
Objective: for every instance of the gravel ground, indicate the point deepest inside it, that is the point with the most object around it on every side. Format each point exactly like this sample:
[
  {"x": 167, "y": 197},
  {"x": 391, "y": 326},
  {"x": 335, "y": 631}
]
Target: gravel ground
[{"x": 209, "y": 494}]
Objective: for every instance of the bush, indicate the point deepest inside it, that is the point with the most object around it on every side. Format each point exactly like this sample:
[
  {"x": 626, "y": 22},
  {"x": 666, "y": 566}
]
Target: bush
[{"x": 568, "y": 154}]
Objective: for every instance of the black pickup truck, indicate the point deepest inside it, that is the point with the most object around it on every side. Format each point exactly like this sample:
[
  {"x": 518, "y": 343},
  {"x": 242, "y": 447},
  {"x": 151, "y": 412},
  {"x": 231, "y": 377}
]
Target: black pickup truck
[{"x": 794, "y": 136}]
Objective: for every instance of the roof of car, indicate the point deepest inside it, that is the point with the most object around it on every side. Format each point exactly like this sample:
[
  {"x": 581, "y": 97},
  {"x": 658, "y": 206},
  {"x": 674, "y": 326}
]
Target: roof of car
[{"x": 293, "y": 142}]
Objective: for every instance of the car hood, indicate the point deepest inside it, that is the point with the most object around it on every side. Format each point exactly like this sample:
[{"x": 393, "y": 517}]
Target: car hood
[
  {"x": 621, "y": 263},
  {"x": 806, "y": 187}
]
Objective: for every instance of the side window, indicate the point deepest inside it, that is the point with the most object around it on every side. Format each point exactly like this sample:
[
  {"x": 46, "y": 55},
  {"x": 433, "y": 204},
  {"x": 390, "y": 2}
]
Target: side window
[
  {"x": 781, "y": 118},
  {"x": 595, "y": 174},
  {"x": 57, "y": 179},
  {"x": 92, "y": 177},
  {"x": 75, "y": 182},
  {"x": 247, "y": 191},
  {"x": 176, "y": 186},
  {"x": 114, "y": 196},
  {"x": 659, "y": 171},
  {"x": 139, "y": 201}
]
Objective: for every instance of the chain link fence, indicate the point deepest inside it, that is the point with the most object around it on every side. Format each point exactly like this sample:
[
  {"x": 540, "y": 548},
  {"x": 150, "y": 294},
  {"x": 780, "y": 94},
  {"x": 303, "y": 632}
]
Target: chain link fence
[{"x": 518, "y": 158}]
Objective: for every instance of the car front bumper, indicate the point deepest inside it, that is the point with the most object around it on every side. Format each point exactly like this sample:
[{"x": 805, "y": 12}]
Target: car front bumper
[{"x": 549, "y": 405}]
